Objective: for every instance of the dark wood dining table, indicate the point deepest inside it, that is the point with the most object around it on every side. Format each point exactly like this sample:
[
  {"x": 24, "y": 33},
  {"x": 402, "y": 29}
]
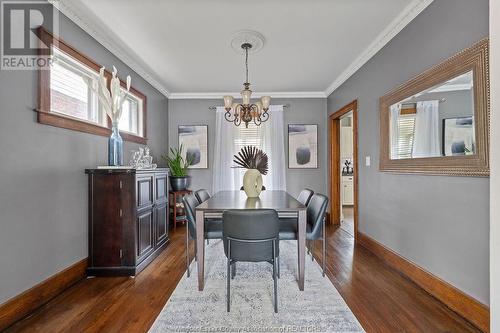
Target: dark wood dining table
[{"x": 286, "y": 206}]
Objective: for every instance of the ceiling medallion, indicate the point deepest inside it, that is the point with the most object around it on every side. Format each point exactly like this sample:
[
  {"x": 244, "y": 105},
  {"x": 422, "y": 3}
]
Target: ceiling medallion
[
  {"x": 247, "y": 36},
  {"x": 247, "y": 111}
]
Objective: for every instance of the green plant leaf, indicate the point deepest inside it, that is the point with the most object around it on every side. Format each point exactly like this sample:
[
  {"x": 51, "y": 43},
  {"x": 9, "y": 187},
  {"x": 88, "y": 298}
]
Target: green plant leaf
[{"x": 177, "y": 164}]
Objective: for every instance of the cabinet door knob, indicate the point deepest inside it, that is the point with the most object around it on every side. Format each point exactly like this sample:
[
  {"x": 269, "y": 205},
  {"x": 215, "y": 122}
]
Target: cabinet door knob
[{"x": 121, "y": 212}]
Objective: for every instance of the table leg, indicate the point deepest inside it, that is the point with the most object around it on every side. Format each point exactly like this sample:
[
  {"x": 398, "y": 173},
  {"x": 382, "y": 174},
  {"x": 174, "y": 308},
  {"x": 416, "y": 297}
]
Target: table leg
[
  {"x": 301, "y": 240},
  {"x": 200, "y": 225}
]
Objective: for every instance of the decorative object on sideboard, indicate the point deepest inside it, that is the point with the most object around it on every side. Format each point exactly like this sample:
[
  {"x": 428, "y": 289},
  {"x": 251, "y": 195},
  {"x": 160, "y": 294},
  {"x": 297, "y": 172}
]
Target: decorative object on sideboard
[
  {"x": 112, "y": 102},
  {"x": 256, "y": 163},
  {"x": 179, "y": 178},
  {"x": 141, "y": 159},
  {"x": 302, "y": 146},
  {"x": 246, "y": 111},
  {"x": 194, "y": 138}
]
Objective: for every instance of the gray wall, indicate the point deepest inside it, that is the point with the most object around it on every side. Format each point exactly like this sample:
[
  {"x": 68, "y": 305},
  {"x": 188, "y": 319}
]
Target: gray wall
[
  {"x": 439, "y": 223},
  {"x": 43, "y": 188},
  {"x": 307, "y": 111}
]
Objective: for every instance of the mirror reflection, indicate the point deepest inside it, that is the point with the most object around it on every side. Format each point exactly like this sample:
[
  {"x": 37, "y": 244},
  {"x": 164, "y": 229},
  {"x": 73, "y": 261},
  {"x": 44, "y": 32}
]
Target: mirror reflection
[{"x": 438, "y": 121}]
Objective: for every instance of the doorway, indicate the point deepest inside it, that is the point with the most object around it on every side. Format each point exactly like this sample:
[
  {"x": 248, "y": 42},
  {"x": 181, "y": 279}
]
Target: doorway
[{"x": 343, "y": 166}]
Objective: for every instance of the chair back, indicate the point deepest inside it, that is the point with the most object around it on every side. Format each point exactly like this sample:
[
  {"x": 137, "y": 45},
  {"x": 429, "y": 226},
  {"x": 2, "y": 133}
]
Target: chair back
[
  {"x": 304, "y": 196},
  {"x": 315, "y": 213},
  {"x": 202, "y": 195},
  {"x": 190, "y": 203},
  {"x": 247, "y": 229}
]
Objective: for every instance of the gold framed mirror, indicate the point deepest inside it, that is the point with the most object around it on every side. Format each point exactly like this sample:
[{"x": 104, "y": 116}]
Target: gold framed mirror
[{"x": 438, "y": 122}]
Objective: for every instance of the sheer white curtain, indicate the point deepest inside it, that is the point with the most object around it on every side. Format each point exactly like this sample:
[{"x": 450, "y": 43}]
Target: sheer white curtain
[
  {"x": 395, "y": 113},
  {"x": 273, "y": 144},
  {"x": 224, "y": 177},
  {"x": 426, "y": 137},
  {"x": 229, "y": 139}
]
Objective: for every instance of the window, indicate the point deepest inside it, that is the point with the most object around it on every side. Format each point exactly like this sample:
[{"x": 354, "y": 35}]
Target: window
[
  {"x": 131, "y": 120},
  {"x": 403, "y": 145},
  {"x": 269, "y": 137},
  {"x": 70, "y": 89},
  {"x": 67, "y": 98},
  {"x": 251, "y": 136}
]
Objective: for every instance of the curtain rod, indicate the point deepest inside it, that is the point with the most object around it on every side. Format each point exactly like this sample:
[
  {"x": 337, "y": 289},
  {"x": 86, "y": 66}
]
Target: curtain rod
[{"x": 213, "y": 108}]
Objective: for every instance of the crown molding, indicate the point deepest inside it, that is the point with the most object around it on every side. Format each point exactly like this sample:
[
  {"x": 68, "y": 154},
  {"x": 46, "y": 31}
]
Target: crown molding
[
  {"x": 399, "y": 23},
  {"x": 96, "y": 30},
  {"x": 218, "y": 95}
]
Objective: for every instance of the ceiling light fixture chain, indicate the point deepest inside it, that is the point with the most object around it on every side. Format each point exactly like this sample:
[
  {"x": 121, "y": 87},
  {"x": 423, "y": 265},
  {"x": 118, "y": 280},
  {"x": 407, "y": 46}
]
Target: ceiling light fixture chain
[{"x": 246, "y": 61}]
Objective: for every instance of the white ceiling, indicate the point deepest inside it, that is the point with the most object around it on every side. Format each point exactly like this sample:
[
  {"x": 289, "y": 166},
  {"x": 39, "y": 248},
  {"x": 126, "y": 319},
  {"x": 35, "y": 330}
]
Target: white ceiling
[{"x": 183, "y": 48}]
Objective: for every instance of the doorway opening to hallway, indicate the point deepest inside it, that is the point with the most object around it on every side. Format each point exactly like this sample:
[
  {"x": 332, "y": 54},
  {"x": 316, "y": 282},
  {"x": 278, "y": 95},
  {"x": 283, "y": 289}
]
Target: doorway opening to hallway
[{"x": 343, "y": 168}]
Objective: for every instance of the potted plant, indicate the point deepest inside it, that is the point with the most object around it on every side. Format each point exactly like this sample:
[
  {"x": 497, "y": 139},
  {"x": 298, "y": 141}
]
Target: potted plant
[
  {"x": 179, "y": 178},
  {"x": 256, "y": 163}
]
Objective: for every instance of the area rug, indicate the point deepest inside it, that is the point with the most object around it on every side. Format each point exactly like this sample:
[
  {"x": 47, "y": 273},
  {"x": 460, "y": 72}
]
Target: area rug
[{"x": 319, "y": 308}]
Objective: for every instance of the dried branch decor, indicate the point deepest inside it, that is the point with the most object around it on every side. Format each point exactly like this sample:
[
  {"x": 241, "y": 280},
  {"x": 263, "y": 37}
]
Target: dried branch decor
[{"x": 252, "y": 158}]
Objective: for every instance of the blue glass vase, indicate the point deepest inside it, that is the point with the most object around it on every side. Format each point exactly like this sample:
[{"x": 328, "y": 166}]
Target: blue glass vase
[{"x": 115, "y": 147}]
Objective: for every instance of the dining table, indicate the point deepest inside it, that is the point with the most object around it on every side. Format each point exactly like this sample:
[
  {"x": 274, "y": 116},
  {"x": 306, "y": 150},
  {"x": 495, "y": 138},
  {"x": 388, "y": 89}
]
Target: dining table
[{"x": 285, "y": 205}]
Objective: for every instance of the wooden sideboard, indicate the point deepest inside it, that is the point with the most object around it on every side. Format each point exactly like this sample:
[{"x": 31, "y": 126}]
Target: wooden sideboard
[{"x": 128, "y": 219}]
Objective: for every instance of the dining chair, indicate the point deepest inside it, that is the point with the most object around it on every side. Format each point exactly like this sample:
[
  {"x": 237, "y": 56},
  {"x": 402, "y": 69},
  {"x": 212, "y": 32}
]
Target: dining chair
[
  {"x": 250, "y": 236},
  {"x": 304, "y": 196},
  {"x": 288, "y": 224},
  {"x": 202, "y": 195},
  {"x": 213, "y": 228},
  {"x": 315, "y": 226}
]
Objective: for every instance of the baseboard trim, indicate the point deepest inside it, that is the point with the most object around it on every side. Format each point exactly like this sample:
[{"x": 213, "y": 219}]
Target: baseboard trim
[
  {"x": 469, "y": 308},
  {"x": 33, "y": 298}
]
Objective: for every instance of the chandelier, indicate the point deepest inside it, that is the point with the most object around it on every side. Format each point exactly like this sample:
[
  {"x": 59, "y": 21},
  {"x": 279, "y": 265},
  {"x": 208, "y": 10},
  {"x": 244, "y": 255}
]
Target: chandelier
[{"x": 246, "y": 111}]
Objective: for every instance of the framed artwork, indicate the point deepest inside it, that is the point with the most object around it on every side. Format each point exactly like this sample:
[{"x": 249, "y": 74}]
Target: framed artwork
[
  {"x": 194, "y": 141},
  {"x": 302, "y": 146},
  {"x": 458, "y": 136}
]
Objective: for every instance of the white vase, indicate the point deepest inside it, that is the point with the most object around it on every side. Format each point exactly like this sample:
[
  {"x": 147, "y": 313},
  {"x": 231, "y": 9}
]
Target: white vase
[{"x": 252, "y": 183}]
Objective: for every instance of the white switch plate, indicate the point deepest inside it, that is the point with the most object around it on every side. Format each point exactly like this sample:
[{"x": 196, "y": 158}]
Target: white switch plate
[{"x": 367, "y": 161}]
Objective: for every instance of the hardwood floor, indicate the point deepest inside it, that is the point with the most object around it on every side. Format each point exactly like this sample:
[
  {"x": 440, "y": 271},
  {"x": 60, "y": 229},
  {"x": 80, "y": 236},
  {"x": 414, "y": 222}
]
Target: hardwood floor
[
  {"x": 381, "y": 299},
  {"x": 347, "y": 222}
]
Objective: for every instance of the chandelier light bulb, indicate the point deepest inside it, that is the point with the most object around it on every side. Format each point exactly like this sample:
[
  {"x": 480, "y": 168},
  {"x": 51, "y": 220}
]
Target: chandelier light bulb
[
  {"x": 228, "y": 102},
  {"x": 266, "y": 101}
]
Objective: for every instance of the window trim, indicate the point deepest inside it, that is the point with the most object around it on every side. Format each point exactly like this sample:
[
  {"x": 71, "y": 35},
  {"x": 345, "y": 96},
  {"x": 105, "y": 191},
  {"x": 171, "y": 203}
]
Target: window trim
[{"x": 44, "y": 114}]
